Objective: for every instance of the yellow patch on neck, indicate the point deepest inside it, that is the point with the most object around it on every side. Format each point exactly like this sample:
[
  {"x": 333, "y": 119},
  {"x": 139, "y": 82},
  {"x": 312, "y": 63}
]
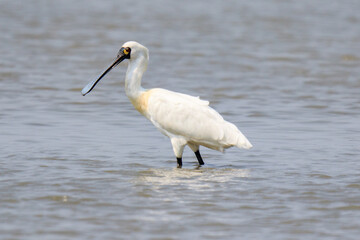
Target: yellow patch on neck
[{"x": 141, "y": 103}]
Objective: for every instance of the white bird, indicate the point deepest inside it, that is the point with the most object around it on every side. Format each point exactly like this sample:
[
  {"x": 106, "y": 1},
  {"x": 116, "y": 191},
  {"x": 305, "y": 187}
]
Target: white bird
[{"x": 185, "y": 119}]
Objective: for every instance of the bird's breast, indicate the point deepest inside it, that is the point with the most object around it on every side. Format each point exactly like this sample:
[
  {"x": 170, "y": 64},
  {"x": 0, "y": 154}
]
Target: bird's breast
[{"x": 141, "y": 102}]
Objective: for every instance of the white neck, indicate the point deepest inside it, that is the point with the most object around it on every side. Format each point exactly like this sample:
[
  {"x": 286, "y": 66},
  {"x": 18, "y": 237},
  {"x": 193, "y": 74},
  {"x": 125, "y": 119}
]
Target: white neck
[{"x": 134, "y": 73}]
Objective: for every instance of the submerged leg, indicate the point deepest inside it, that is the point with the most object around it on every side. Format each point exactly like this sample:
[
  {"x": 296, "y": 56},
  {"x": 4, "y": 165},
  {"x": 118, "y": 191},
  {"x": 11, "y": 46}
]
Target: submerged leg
[
  {"x": 178, "y": 145},
  {"x": 199, "y": 158},
  {"x": 195, "y": 149},
  {"x": 179, "y": 162}
]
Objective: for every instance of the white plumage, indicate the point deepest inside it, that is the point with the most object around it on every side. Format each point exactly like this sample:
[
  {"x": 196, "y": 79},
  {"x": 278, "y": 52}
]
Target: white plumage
[{"x": 185, "y": 119}]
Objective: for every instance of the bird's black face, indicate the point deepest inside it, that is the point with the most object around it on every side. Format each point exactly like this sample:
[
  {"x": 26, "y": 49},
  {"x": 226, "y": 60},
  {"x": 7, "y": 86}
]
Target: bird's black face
[{"x": 124, "y": 53}]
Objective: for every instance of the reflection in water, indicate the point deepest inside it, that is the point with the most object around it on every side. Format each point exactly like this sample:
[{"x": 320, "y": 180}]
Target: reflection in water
[{"x": 192, "y": 178}]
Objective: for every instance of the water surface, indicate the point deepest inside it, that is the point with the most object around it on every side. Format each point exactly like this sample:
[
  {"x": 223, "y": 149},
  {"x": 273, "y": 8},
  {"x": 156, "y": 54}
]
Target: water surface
[{"x": 285, "y": 72}]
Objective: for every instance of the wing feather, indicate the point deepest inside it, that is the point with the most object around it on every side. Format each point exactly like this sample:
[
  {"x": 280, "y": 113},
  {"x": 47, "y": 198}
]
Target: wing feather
[{"x": 184, "y": 115}]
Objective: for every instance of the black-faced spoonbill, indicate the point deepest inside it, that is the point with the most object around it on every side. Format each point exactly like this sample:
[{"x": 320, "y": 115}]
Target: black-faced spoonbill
[{"x": 185, "y": 119}]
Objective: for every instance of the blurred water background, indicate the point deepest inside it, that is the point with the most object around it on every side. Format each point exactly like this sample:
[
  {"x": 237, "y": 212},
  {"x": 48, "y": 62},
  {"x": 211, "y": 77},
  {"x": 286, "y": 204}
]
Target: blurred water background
[{"x": 287, "y": 73}]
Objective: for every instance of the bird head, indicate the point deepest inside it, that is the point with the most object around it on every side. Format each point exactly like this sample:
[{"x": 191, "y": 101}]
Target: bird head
[{"x": 129, "y": 50}]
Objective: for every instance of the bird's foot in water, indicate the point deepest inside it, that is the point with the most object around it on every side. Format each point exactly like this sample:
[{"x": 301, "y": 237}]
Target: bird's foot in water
[
  {"x": 179, "y": 162},
  {"x": 199, "y": 158}
]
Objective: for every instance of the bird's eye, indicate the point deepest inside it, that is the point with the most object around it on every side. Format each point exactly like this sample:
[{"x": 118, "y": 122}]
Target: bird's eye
[{"x": 127, "y": 50}]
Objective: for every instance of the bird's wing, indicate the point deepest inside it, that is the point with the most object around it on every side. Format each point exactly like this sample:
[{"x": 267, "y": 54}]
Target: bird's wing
[
  {"x": 195, "y": 100},
  {"x": 183, "y": 115}
]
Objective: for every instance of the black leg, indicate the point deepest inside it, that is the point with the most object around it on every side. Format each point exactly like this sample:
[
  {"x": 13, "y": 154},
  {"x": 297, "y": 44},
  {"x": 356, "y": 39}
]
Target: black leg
[
  {"x": 179, "y": 162},
  {"x": 198, "y": 156}
]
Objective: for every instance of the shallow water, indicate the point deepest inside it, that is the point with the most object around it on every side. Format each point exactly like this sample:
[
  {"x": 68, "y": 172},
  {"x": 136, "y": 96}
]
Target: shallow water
[{"x": 285, "y": 72}]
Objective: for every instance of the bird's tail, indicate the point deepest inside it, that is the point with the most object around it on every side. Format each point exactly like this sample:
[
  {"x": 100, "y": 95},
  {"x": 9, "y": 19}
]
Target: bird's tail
[
  {"x": 234, "y": 137},
  {"x": 243, "y": 142}
]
